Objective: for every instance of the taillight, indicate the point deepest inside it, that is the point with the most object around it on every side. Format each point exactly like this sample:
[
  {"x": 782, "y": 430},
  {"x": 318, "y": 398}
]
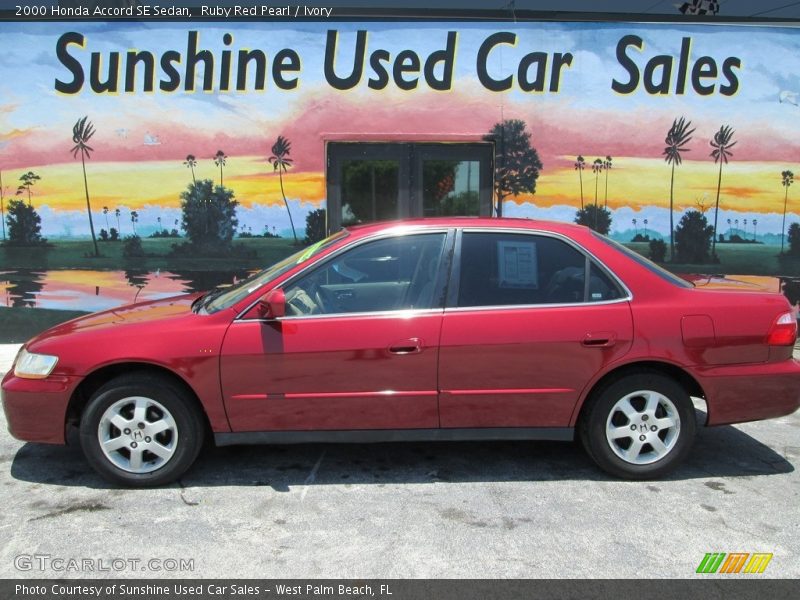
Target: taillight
[{"x": 784, "y": 331}]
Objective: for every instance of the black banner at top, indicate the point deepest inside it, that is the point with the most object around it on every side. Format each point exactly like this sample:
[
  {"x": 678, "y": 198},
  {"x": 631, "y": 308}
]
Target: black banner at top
[{"x": 288, "y": 10}]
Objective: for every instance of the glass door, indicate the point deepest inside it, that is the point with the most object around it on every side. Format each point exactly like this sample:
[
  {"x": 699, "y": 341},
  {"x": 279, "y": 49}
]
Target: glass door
[
  {"x": 383, "y": 181},
  {"x": 366, "y": 182}
]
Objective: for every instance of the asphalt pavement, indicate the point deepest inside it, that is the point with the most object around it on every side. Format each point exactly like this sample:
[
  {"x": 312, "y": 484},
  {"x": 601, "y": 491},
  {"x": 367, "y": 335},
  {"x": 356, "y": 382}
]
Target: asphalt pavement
[{"x": 446, "y": 510}]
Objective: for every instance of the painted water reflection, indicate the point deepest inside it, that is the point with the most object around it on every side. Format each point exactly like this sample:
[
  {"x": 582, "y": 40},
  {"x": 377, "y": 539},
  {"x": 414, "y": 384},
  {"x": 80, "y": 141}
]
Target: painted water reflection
[
  {"x": 93, "y": 290},
  {"x": 90, "y": 290}
]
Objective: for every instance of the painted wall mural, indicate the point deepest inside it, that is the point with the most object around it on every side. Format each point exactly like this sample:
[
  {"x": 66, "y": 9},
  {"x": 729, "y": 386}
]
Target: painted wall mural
[{"x": 139, "y": 158}]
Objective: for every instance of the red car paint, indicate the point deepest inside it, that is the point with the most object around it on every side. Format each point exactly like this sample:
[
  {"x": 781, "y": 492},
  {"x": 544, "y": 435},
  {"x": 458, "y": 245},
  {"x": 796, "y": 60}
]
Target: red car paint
[{"x": 510, "y": 366}]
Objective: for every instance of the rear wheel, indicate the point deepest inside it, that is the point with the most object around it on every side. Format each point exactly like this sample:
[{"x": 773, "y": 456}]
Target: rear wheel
[
  {"x": 639, "y": 427},
  {"x": 141, "y": 430}
]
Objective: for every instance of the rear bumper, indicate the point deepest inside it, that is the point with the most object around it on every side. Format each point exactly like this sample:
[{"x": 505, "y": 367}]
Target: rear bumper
[
  {"x": 740, "y": 393},
  {"x": 36, "y": 409}
]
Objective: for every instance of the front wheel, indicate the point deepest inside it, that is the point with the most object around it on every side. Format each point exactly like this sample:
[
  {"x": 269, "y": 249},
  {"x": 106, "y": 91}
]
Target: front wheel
[
  {"x": 140, "y": 430},
  {"x": 639, "y": 427}
]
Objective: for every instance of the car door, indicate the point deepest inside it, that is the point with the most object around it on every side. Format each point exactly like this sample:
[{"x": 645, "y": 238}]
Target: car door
[
  {"x": 523, "y": 333},
  {"x": 357, "y": 349}
]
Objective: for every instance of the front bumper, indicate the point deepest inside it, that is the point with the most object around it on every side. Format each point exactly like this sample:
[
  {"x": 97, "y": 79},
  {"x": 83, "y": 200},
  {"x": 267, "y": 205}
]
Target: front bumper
[
  {"x": 36, "y": 409},
  {"x": 741, "y": 393}
]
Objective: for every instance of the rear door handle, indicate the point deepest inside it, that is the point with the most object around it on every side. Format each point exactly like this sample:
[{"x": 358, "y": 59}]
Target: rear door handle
[
  {"x": 410, "y": 346},
  {"x": 599, "y": 339}
]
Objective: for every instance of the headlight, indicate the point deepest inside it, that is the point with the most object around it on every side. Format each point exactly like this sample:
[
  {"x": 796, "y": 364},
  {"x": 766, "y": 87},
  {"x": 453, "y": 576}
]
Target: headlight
[{"x": 34, "y": 366}]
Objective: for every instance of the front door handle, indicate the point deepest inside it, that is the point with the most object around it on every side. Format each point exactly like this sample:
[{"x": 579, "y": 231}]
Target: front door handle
[
  {"x": 409, "y": 346},
  {"x": 599, "y": 339}
]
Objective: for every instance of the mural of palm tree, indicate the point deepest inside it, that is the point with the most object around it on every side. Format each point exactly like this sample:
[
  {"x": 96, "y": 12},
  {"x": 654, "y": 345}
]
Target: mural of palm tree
[
  {"x": 722, "y": 143},
  {"x": 755, "y": 224},
  {"x": 82, "y": 132},
  {"x": 607, "y": 168},
  {"x": 105, "y": 214},
  {"x": 580, "y": 163},
  {"x": 191, "y": 162},
  {"x": 2, "y": 206},
  {"x": 159, "y": 223},
  {"x": 219, "y": 160},
  {"x": 117, "y": 214},
  {"x": 597, "y": 167},
  {"x": 729, "y": 229},
  {"x": 280, "y": 162},
  {"x": 645, "y": 228},
  {"x": 28, "y": 180},
  {"x": 787, "y": 179},
  {"x": 678, "y": 137},
  {"x": 635, "y": 230},
  {"x": 134, "y": 220}
]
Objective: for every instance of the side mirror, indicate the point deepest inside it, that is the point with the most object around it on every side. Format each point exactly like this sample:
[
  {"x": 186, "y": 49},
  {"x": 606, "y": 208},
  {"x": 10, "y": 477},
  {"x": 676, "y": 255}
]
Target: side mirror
[{"x": 273, "y": 304}]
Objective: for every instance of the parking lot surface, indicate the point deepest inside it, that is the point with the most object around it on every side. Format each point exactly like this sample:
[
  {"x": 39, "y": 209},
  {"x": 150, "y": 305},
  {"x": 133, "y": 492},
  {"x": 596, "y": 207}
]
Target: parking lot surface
[{"x": 445, "y": 510}]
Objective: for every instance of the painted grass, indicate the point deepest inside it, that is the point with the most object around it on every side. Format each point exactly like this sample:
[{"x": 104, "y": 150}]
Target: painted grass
[
  {"x": 19, "y": 324},
  {"x": 77, "y": 254},
  {"x": 736, "y": 259}
]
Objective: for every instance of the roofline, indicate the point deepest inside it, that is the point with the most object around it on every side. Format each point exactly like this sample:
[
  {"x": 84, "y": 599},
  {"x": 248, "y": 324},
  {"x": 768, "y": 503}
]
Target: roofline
[{"x": 467, "y": 222}]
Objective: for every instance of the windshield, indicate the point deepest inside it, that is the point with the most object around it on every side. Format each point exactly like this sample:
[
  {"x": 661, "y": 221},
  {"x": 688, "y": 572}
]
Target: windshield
[
  {"x": 228, "y": 296},
  {"x": 647, "y": 264}
]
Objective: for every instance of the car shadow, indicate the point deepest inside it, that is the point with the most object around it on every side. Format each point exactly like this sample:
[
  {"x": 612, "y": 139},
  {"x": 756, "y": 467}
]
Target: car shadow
[{"x": 718, "y": 452}]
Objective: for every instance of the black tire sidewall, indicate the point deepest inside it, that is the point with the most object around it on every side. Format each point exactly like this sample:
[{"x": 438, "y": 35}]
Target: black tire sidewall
[
  {"x": 189, "y": 426},
  {"x": 593, "y": 430}
]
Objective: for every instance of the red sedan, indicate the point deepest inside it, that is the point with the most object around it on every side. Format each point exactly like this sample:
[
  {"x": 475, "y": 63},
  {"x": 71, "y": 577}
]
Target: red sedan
[{"x": 423, "y": 330}]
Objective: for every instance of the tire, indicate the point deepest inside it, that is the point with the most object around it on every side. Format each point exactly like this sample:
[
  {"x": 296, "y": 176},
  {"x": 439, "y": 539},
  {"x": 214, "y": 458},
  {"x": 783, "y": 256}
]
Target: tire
[
  {"x": 141, "y": 430},
  {"x": 639, "y": 427}
]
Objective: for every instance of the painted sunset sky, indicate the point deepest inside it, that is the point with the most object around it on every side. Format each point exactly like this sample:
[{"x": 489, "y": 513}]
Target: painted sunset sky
[{"x": 143, "y": 139}]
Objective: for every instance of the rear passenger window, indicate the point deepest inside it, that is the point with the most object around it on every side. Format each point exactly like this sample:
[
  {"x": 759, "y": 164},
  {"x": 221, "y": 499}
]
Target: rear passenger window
[{"x": 500, "y": 269}]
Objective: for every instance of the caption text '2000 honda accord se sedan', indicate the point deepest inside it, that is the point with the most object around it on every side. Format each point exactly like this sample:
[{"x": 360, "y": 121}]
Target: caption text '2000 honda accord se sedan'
[{"x": 419, "y": 330}]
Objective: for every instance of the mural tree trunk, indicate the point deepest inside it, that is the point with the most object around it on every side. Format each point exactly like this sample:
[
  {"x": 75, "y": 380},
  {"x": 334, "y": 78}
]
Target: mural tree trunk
[
  {"x": 280, "y": 162},
  {"x": 579, "y": 165},
  {"x": 722, "y": 143},
  {"x": 607, "y": 168},
  {"x": 219, "y": 160},
  {"x": 89, "y": 207},
  {"x": 82, "y": 132},
  {"x": 678, "y": 137},
  {"x": 787, "y": 178},
  {"x": 597, "y": 167}
]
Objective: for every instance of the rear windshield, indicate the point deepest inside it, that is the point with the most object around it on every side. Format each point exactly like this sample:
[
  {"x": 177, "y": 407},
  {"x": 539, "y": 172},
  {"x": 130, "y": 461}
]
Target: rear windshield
[{"x": 647, "y": 264}]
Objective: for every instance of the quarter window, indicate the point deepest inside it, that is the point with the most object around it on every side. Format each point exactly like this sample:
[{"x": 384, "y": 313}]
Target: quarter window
[
  {"x": 398, "y": 273},
  {"x": 499, "y": 269}
]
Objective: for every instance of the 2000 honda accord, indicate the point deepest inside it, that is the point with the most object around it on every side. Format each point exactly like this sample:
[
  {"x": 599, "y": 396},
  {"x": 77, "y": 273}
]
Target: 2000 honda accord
[{"x": 421, "y": 330}]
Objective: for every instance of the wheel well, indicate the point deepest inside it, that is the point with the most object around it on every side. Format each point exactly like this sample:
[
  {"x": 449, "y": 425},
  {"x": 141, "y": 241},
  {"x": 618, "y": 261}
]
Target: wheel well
[
  {"x": 95, "y": 380},
  {"x": 686, "y": 381}
]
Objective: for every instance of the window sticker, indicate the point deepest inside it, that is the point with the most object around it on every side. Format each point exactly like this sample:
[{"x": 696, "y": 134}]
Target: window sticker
[{"x": 518, "y": 265}]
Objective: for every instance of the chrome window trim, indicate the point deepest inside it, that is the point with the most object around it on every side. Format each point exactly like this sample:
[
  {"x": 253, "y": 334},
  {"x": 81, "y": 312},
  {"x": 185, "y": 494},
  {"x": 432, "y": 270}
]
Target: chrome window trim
[
  {"x": 383, "y": 314},
  {"x": 534, "y": 306},
  {"x": 398, "y": 231},
  {"x": 627, "y": 294}
]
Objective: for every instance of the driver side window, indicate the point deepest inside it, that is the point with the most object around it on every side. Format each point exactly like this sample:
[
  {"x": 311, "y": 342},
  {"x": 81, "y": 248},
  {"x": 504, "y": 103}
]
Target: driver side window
[{"x": 398, "y": 273}]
